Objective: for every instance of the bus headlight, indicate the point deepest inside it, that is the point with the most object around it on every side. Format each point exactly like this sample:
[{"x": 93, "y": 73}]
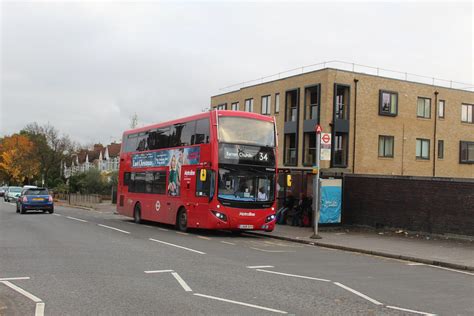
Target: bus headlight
[
  {"x": 270, "y": 218},
  {"x": 220, "y": 216}
]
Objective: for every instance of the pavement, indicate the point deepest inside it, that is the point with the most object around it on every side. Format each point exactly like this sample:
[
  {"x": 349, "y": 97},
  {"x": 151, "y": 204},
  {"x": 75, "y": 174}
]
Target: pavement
[
  {"x": 451, "y": 252},
  {"x": 446, "y": 252},
  {"x": 83, "y": 262}
]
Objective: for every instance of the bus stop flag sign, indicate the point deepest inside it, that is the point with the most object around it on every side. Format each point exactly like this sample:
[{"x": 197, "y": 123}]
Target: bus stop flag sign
[{"x": 326, "y": 146}]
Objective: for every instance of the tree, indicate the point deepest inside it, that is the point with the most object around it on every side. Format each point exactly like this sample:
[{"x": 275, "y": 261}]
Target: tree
[
  {"x": 50, "y": 150},
  {"x": 17, "y": 161}
]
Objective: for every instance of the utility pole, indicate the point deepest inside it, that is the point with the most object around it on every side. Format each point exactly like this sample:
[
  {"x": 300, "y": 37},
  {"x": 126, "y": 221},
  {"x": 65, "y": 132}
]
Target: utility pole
[{"x": 316, "y": 185}]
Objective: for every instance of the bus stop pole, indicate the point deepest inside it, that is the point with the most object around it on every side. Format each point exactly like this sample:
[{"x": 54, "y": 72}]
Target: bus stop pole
[{"x": 316, "y": 185}]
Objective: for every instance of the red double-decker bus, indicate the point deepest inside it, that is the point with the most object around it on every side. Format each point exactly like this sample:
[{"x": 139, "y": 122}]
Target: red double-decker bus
[{"x": 214, "y": 170}]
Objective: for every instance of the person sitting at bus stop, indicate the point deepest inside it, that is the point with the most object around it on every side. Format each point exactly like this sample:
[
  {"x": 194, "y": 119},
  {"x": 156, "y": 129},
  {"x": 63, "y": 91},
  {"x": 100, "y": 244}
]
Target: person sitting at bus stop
[
  {"x": 285, "y": 209},
  {"x": 262, "y": 196}
]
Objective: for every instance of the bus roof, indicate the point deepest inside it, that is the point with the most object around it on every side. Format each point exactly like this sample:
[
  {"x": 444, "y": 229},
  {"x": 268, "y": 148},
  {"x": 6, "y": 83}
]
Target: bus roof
[{"x": 201, "y": 116}]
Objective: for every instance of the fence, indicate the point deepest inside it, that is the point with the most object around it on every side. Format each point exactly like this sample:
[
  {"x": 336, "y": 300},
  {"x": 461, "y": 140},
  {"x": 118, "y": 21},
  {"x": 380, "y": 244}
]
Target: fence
[
  {"x": 433, "y": 205},
  {"x": 87, "y": 200},
  {"x": 349, "y": 66}
]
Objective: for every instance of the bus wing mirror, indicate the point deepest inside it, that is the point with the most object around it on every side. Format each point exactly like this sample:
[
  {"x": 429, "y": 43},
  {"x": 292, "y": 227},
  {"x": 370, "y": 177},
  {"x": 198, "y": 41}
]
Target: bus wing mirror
[
  {"x": 203, "y": 175},
  {"x": 288, "y": 180}
]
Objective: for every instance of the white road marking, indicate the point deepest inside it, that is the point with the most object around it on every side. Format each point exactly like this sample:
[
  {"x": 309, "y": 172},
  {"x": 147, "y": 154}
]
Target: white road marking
[
  {"x": 259, "y": 267},
  {"x": 264, "y": 250},
  {"x": 55, "y": 214},
  {"x": 14, "y": 278},
  {"x": 228, "y": 243},
  {"x": 294, "y": 275},
  {"x": 178, "y": 246},
  {"x": 181, "y": 233},
  {"x": 439, "y": 267},
  {"x": 39, "y": 309},
  {"x": 181, "y": 282},
  {"x": 109, "y": 227},
  {"x": 163, "y": 229},
  {"x": 202, "y": 237},
  {"x": 410, "y": 310},
  {"x": 77, "y": 219},
  {"x": 358, "y": 293},
  {"x": 241, "y": 303},
  {"x": 158, "y": 271}
]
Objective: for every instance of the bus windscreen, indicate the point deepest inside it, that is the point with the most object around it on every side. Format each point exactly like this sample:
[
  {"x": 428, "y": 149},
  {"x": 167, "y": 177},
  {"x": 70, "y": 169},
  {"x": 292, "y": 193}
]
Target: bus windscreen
[{"x": 240, "y": 130}]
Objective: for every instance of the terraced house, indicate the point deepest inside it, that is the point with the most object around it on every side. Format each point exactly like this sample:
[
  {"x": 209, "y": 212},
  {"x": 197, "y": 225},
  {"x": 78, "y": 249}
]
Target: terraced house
[{"x": 379, "y": 125}]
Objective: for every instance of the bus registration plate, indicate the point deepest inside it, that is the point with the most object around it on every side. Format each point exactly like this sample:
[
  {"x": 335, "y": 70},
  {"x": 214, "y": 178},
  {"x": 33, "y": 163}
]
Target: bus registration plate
[{"x": 246, "y": 226}]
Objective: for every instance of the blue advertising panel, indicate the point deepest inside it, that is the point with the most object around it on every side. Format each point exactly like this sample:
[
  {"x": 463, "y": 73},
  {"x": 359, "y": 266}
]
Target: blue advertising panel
[
  {"x": 331, "y": 202},
  {"x": 182, "y": 156}
]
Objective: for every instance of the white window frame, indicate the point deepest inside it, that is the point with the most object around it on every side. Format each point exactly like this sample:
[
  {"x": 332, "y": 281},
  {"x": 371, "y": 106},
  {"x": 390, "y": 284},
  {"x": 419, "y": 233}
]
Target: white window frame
[
  {"x": 421, "y": 152},
  {"x": 423, "y": 111},
  {"x": 467, "y": 113},
  {"x": 235, "y": 106},
  {"x": 266, "y": 104},
  {"x": 277, "y": 103},
  {"x": 249, "y": 105}
]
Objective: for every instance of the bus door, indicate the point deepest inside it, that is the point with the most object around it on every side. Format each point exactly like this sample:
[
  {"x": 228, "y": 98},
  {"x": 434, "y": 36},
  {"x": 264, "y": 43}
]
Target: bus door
[
  {"x": 188, "y": 193},
  {"x": 203, "y": 194}
]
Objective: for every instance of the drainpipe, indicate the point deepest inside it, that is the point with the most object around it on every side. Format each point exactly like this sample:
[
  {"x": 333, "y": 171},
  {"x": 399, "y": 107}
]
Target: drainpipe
[
  {"x": 355, "y": 126},
  {"x": 434, "y": 133}
]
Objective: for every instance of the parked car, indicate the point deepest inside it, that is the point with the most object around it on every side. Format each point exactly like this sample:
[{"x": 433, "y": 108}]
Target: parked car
[
  {"x": 2, "y": 191},
  {"x": 12, "y": 194},
  {"x": 35, "y": 199}
]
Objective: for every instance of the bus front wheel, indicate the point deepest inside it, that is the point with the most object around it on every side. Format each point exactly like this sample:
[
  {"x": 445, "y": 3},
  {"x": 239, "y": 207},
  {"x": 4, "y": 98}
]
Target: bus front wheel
[
  {"x": 182, "y": 220},
  {"x": 137, "y": 214}
]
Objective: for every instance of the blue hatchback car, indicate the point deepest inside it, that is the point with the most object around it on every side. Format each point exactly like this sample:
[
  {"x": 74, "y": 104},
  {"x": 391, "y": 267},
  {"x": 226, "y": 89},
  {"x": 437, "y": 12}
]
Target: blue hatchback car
[{"x": 35, "y": 199}]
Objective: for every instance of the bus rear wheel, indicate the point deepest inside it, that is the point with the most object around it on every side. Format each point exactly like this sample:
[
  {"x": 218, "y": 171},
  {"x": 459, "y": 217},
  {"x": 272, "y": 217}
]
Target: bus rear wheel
[
  {"x": 137, "y": 214},
  {"x": 182, "y": 220}
]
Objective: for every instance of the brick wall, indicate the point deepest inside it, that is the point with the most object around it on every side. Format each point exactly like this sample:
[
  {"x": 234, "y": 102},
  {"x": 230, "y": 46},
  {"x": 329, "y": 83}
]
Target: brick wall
[{"x": 434, "y": 205}]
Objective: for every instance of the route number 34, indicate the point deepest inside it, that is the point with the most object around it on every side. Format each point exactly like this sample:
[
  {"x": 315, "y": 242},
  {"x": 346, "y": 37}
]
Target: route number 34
[{"x": 262, "y": 156}]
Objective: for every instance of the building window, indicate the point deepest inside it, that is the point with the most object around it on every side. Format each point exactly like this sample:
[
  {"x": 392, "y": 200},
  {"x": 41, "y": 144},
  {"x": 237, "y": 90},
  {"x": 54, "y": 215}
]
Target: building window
[
  {"x": 441, "y": 104},
  {"x": 292, "y": 105},
  {"x": 290, "y": 150},
  {"x": 467, "y": 113},
  {"x": 341, "y": 102},
  {"x": 277, "y": 103},
  {"x": 311, "y": 102},
  {"x": 266, "y": 104},
  {"x": 222, "y": 106},
  {"x": 340, "y": 150},
  {"x": 249, "y": 105},
  {"x": 386, "y": 146},
  {"x": 422, "y": 148},
  {"x": 424, "y": 108},
  {"x": 309, "y": 149},
  {"x": 235, "y": 106},
  {"x": 466, "y": 152},
  {"x": 388, "y": 103},
  {"x": 440, "y": 149}
]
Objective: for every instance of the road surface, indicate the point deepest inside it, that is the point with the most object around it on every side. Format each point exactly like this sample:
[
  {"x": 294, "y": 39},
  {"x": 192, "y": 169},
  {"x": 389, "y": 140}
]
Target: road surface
[{"x": 80, "y": 262}]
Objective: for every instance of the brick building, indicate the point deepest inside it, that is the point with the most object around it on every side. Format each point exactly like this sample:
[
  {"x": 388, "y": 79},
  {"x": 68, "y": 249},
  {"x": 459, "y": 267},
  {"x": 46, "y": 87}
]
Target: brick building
[{"x": 379, "y": 125}]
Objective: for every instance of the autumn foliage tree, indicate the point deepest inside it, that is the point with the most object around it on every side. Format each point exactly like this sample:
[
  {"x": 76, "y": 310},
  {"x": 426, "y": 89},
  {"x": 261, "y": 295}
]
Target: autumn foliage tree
[{"x": 17, "y": 162}]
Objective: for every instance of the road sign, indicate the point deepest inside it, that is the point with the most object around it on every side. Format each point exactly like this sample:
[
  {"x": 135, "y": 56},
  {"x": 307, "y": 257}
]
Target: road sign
[
  {"x": 318, "y": 129},
  {"x": 326, "y": 138},
  {"x": 326, "y": 146}
]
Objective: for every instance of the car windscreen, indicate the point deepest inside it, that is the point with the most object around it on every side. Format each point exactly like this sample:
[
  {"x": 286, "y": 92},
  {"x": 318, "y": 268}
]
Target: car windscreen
[
  {"x": 36, "y": 192},
  {"x": 14, "y": 189}
]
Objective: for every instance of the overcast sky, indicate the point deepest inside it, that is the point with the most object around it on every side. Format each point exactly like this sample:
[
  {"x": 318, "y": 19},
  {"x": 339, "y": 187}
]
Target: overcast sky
[{"x": 87, "y": 67}]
